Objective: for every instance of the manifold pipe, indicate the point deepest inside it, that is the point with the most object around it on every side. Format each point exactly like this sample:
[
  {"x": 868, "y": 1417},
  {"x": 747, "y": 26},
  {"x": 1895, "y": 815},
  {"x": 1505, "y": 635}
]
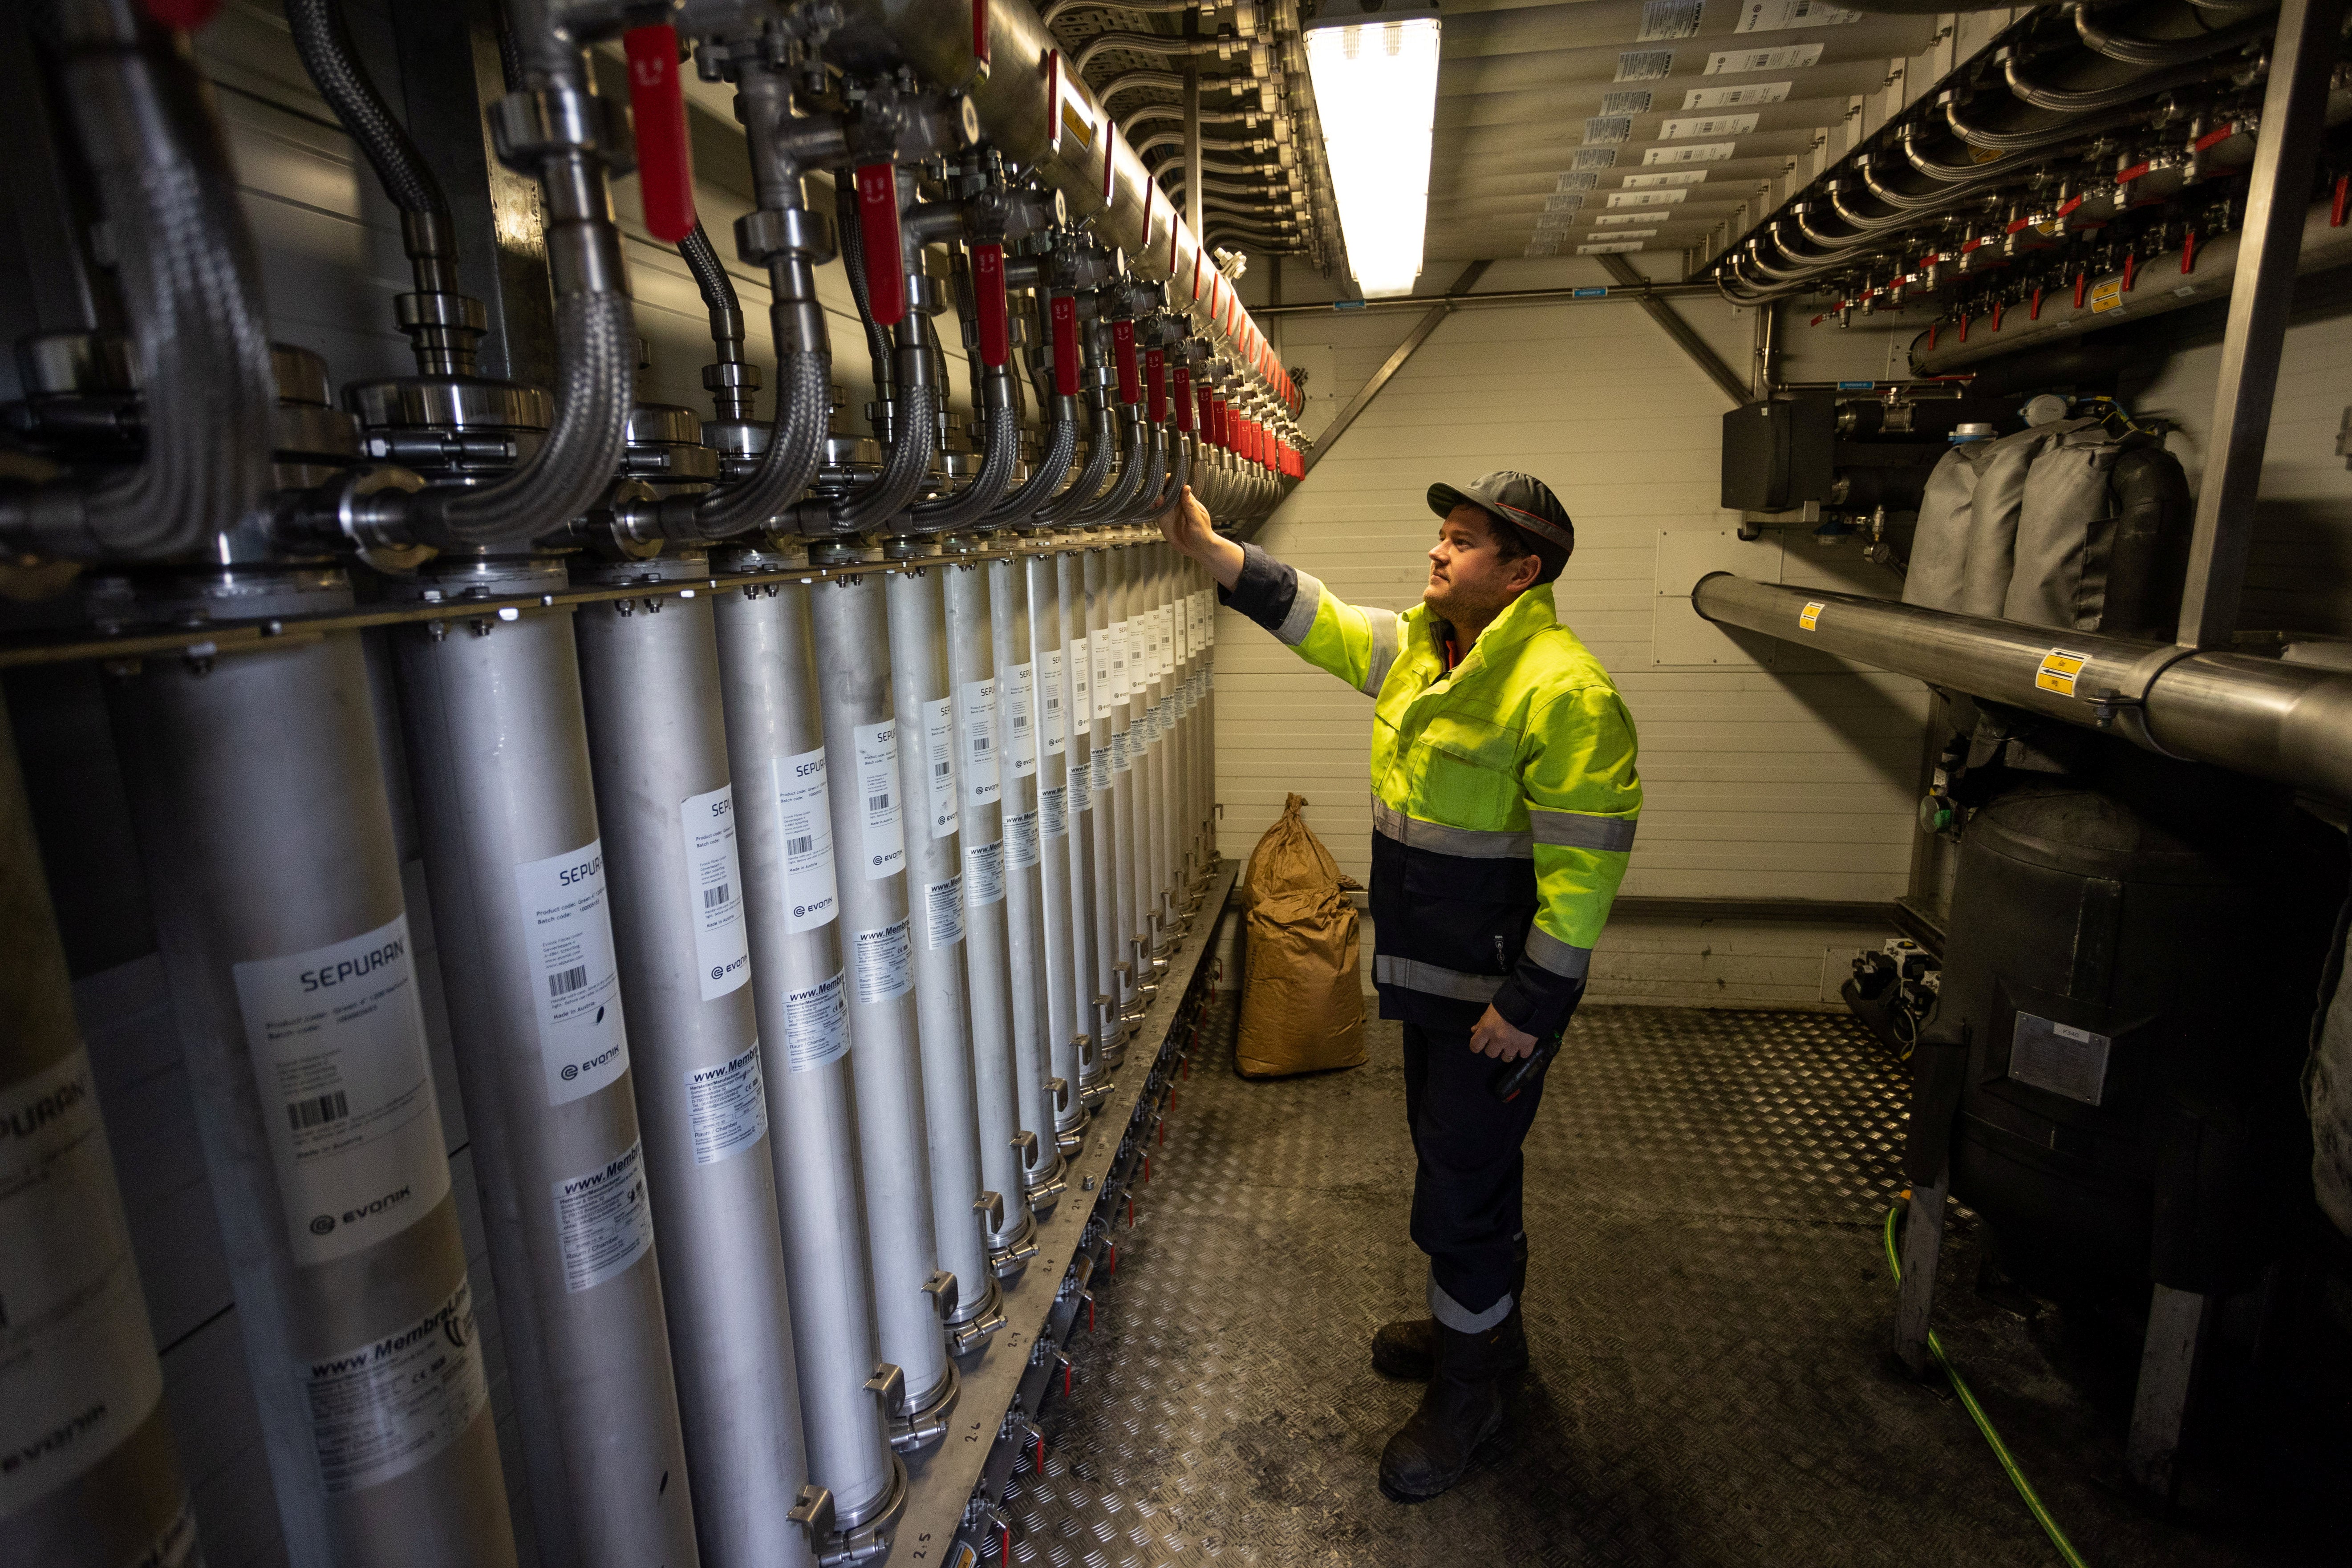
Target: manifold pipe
[
  {"x": 911, "y": 1297},
  {"x": 657, "y": 745},
  {"x": 2288, "y": 722},
  {"x": 191, "y": 287},
  {"x": 964, "y": 1208},
  {"x": 1041, "y": 585},
  {"x": 791, "y": 872},
  {"x": 2159, "y": 289},
  {"x": 114, "y": 1495},
  {"x": 1043, "y": 1095},
  {"x": 1112, "y": 971},
  {"x": 269, "y": 856},
  {"x": 1012, "y": 1113},
  {"x": 497, "y": 742},
  {"x": 1075, "y": 736}
]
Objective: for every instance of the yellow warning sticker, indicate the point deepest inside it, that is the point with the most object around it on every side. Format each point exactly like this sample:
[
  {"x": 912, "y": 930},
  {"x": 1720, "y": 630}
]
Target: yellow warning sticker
[
  {"x": 1807, "y": 616},
  {"x": 2107, "y": 295},
  {"x": 1074, "y": 121},
  {"x": 2058, "y": 670}
]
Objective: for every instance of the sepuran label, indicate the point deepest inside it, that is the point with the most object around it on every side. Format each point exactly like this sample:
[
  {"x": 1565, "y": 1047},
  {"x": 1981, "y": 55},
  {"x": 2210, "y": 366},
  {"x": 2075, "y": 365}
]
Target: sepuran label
[
  {"x": 1020, "y": 838},
  {"x": 575, "y": 979},
  {"x": 804, "y": 819},
  {"x": 943, "y": 913},
  {"x": 983, "y": 873},
  {"x": 1021, "y": 736},
  {"x": 939, "y": 769},
  {"x": 816, "y": 1025},
  {"x": 884, "y": 962},
  {"x": 714, "y": 892},
  {"x": 1082, "y": 687},
  {"x": 381, "y": 1409},
  {"x": 78, "y": 1368},
  {"x": 603, "y": 1220},
  {"x": 1100, "y": 660},
  {"x": 1052, "y": 717},
  {"x": 1053, "y": 811},
  {"x": 976, "y": 703},
  {"x": 726, "y": 1107},
  {"x": 1122, "y": 751},
  {"x": 338, "y": 1044},
  {"x": 885, "y": 842}
]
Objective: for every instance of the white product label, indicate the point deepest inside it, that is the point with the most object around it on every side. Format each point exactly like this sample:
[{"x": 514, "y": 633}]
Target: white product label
[
  {"x": 1165, "y": 618},
  {"x": 1082, "y": 683},
  {"x": 884, "y": 962},
  {"x": 1118, "y": 752},
  {"x": 1779, "y": 15},
  {"x": 1609, "y": 247},
  {"x": 1645, "y": 198},
  {"x": 1628, "y": 217},
  {"x": 1132, "y": 685},
  {"x": 77, "y": 1369},
  {"x": 1737, "y": 96},
  {"x": 1054, "y": 717},
  {"x": 1100, "y": 662},
  {"x": 582, "y": 1045},
  {"x": 1019, "y": 722},
  {"x": 338, "y": 1044},
  {"x": 977, "y": 702},
  {"x": 1663, "y": 19},
  {"x": 1020, "y": 838},
  {"x": 939, "y": 769},
  {"x": 603, "y": 1220},
  {"x": 1790, "y": 57},
  {"x": 1122, "y": 655},
  {"x": 714, "y": 892},
  {"x": 805, "y": 816},
  {"x": 1698, "y": 153},
  {"x": 1666, "y": 182},
  {"x": 1082, "y": 783},
  {"x": 727, "y": 1107},
  {"x": 381, "y": 1409},
  {"x": 943, "y": 913},
  {"x": 884, "y": 849},
  {"x": 816, "y": 1025},
  {"x": 1053, "y": 811},
  {"x": 983, "y": 873},
  {"x": 1705, "y": 125}
]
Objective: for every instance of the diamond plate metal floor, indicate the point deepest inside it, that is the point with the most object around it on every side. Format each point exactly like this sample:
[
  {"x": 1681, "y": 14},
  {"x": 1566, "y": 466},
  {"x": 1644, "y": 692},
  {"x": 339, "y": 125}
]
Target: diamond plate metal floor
[{"x": 1708, "y": 1303}]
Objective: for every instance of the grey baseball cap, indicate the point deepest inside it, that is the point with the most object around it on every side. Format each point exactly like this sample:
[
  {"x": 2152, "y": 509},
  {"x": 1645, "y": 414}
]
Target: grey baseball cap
[{"x": 1520, "y": 499}]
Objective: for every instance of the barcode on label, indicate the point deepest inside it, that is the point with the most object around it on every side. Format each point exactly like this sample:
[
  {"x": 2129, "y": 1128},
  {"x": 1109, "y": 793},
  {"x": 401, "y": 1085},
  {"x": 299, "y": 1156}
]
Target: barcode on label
[
  {"x": 570, "y": 980},
  {"x": 1020, "y": 720},
  {"x": 317, "y": 1113},
  {"x": 980, "y": 743},
  {"x": 800, "y": 846},
  {"x": 940, "y": 770},
  {"x": 877, "y": 803},
  {"x": 712, "y": 898}
]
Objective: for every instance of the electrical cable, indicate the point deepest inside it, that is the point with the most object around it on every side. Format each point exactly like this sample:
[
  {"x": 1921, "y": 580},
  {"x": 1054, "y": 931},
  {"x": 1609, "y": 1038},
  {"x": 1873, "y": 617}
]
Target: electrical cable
[{"x": 2033, "y": 1504}]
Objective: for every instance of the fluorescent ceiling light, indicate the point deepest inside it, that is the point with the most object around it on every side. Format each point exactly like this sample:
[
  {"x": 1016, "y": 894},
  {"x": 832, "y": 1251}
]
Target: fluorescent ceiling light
[{"x": 1375, "y": 78}]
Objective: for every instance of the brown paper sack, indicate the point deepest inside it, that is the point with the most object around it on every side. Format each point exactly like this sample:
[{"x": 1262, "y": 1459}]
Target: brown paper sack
[{"x": 1302, "y": 1001}]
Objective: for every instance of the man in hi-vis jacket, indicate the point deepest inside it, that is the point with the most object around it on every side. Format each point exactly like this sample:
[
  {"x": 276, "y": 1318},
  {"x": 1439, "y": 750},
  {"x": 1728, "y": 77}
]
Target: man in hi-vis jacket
[{"x": 1504, "y": 800}]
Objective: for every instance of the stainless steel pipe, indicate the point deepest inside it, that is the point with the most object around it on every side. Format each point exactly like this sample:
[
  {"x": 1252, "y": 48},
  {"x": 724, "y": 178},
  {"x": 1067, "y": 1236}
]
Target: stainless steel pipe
[
  {"x": 276, "y": 894},
  {"x": 1043, "y": 1098},
  {"x": 1042, "y": 586},
  {"x": 657, "y": 743},
  {"x": 964, "y": 1210},
  {"x": 1114, "y": 974},
  {"x": 792, "y": 871},
  {"x": 910, "y": 1295},
  {"x": 2291, "y": 722},
  {"x": 497, "y": 743},
  {"x": 95, "y": 1478},
  {"x": 1076, "y": 735}
]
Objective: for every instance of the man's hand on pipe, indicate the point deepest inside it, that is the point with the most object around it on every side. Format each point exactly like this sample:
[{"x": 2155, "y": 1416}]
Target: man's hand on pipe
[
  {"x": 1185, "y": 524},
  {"x": 1491, "y": 1037}
]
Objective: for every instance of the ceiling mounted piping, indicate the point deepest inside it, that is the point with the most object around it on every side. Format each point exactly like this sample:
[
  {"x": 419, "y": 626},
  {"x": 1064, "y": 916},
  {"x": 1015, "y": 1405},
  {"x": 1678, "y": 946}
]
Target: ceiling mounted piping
[
  {"x": 1047, "y": 122},
  {"x": 1375, "y": 75}
]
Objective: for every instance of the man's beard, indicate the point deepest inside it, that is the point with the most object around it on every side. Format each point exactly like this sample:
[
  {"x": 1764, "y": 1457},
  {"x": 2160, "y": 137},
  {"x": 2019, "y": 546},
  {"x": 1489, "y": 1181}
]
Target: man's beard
[{"x": 1452, "y": 604}]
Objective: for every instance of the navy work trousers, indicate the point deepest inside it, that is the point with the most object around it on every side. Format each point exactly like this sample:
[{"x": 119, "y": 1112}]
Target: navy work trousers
[{"x": 1466, "y": 1191}]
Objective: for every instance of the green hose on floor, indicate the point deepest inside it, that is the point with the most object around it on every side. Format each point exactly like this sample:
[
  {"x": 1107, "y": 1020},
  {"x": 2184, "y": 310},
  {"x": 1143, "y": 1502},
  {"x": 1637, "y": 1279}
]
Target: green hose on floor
[{"x": 1984, "y": 1422}]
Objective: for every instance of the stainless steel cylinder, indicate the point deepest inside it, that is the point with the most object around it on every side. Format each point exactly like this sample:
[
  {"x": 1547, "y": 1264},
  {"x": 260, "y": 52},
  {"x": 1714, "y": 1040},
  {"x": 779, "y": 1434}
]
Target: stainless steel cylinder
[
  {"x": 1159, "y": 730},
  {"x": 1125, "y": 749},
  {"x": 911, "y": 1296},
  {"x": 1050, "y": 675},
  {"x": 94, "y": 1480},
  {"x": 1077, "y": 733},
  {"x": 657, "y": 743},
  {"x": 1113, "y": 973},
  {"x": 776, "y": 747},
  {"x": 257, "y": 794},
  {"x": 964, "y": 1209},
  {"x": 498, "y": 751},
  {"x": 1025, "y": 915}
]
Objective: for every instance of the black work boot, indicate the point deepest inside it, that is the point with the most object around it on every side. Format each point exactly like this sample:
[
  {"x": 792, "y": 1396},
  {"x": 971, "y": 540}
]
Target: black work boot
[
  {"x": 1403, "y": 1349},
  {"x": 1470, "y": 1387}
]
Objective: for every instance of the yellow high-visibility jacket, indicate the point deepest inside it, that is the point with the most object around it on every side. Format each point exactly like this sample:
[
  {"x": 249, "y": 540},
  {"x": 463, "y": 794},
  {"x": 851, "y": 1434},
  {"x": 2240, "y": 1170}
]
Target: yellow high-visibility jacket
[{"x": 1504, "y": 795}]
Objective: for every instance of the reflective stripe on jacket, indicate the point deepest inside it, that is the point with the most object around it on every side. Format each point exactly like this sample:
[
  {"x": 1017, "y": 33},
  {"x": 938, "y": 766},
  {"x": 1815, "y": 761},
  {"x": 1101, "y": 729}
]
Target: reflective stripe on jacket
[{"x": 1504, "y": 794}]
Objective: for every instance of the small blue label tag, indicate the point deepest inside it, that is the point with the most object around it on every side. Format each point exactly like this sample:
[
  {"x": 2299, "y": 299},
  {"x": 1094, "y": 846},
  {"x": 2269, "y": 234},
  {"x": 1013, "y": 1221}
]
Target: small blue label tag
[
  {"x": 1590, "y": 294},
  {"x": 1856, "y": 386}
]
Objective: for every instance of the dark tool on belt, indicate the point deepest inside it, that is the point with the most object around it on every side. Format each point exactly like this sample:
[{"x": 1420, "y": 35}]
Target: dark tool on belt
[{"x": 1525, "y": 1070}]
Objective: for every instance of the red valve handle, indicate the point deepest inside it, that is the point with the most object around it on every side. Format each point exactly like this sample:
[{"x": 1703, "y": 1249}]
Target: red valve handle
[
  {"x": 1184, "y": 399},
  {"x": 1065, "y": 345},
  {"x": 665, "y": 158},
  {"x": 1220, "y": 423},
  {"x": 878, "y": 223},
  {"x": 988, "y": 294},
  {"x": 1155, "y": 384},
  {"x": 186, "y": 15},
  {"x": 1208, "y": 416},
  {"x": 1122, "y": 348}
]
